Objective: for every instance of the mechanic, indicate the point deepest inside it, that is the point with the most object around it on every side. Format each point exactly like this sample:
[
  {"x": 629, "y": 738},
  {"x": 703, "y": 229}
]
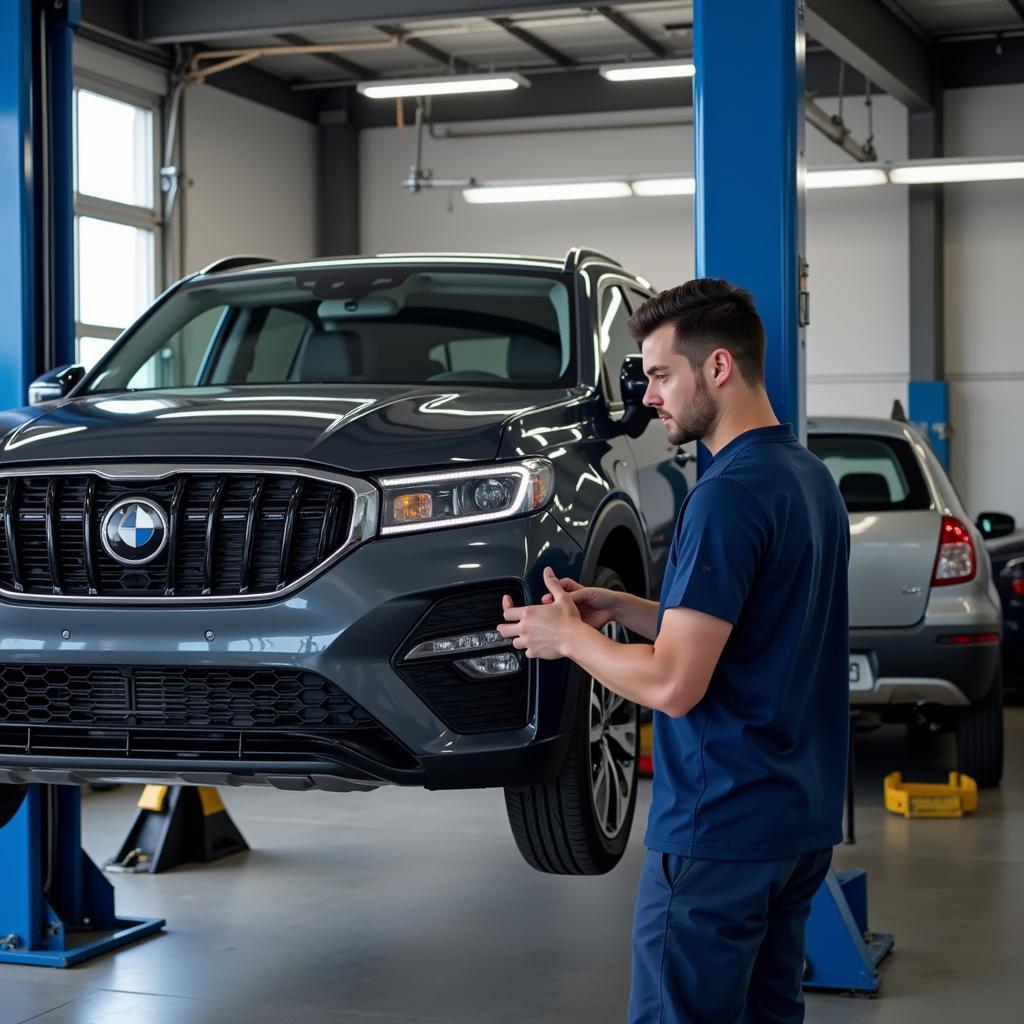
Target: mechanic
[{"x": 747, "y": 675}]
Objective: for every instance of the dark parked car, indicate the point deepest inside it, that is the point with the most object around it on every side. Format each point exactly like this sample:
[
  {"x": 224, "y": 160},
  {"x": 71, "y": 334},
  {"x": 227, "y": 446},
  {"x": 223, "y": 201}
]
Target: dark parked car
[
  {"x": 265, "y": 539},
  {"x": 1006, "y": 549}
]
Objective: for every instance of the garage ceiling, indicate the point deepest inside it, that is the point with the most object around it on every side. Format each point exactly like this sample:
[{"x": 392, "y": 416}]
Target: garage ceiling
[{"x": 896, "y": 44}]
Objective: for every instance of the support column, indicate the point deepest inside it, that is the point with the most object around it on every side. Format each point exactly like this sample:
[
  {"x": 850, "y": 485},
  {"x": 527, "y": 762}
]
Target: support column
[
  {"x": 928, "y": 392},
  {"x": 338, "y": 186},
  {"x": 927, "y": 314},
  {"x": 749, "y": 156},
  {"x": 17, "y": 205}
]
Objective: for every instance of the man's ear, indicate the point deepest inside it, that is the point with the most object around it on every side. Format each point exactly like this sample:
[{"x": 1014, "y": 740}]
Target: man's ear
[{"x": 722, "y": 366}]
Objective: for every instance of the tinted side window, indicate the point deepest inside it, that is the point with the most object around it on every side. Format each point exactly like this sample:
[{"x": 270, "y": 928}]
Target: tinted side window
[
  {"x": 874, "y": 474},
  {"x": 615, "y": 340}
]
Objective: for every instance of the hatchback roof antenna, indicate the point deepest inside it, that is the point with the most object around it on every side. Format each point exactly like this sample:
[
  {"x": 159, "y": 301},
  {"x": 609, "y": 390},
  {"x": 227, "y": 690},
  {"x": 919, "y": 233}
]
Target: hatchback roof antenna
[{"x": 897, "y": 412}]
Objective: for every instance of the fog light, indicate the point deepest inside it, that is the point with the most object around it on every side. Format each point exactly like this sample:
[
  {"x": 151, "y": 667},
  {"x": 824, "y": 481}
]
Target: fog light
[
  {"x": 490, "y": 665},
  {"x": 458, "y": 644}
]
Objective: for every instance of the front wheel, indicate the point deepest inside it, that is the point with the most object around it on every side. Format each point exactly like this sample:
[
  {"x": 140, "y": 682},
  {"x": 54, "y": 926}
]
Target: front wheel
[
  {"x": 579, "y": 823},
  {"x": 11, "y": 796},
  {"x": 979, "y": 737}
]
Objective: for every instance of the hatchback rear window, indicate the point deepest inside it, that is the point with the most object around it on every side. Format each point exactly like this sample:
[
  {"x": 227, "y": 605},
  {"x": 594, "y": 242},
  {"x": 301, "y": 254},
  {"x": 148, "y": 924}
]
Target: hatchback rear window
[{"x": 873, "y": 473}]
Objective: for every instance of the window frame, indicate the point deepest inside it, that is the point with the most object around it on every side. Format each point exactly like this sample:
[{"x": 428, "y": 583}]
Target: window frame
[
  {"x": 613, "y": 403},
  {"x": 147, "y": 218}
]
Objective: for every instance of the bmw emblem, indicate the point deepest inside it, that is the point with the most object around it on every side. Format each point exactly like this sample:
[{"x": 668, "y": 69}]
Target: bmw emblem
[{"x": 134, "y": 531}]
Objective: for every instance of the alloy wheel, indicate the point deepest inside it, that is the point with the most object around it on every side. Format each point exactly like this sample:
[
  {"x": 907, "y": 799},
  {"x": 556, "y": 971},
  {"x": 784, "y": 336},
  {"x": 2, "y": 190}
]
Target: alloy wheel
[{"x": 614, "y": 734}]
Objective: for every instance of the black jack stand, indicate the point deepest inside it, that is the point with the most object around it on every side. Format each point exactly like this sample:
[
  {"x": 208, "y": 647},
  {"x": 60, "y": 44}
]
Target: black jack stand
[{"x": 177, "y": 825}]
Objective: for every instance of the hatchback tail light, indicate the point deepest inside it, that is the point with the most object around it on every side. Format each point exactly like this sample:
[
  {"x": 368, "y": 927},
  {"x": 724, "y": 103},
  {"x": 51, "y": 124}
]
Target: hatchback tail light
[
  {"x": 956, "y": 561},
  {"x": 1017, "y": 586}
]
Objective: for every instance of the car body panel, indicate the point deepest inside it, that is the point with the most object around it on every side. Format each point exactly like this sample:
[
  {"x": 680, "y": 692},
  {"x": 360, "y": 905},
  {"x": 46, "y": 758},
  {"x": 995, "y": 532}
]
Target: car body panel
[
  {"x": 350, "y": 619},
  {"x": 905, "y": 636},
  {"x": 1007, "y": 554},
  {"x": 892, "y": 558}
]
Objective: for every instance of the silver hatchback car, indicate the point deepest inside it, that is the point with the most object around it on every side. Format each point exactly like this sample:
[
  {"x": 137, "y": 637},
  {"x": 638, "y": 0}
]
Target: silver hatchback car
[{"x": 925, "y": 614}]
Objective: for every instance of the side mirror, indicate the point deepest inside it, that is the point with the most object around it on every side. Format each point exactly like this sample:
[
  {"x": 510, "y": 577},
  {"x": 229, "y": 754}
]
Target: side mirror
[
  {"x": 996, "y": 524},
  {"x": 633, "y": 385},
  {"x": 55, "y": 383}
]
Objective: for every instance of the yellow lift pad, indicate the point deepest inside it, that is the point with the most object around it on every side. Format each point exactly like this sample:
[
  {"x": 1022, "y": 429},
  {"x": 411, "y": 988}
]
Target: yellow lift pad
[{"x": 931, "y": 799}]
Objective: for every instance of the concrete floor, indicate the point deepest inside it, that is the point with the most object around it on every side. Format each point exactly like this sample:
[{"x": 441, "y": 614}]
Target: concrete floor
[{"x": 409, "y": 906}]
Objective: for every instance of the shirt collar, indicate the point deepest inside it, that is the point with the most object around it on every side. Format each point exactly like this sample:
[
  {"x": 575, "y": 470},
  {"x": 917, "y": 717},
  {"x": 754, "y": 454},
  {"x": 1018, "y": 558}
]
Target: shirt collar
[{"x": 781, "y": 432}]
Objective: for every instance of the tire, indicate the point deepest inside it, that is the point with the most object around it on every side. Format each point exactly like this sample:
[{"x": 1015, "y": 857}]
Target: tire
[
  {"x": 11, "y": 796},
  {"x": 979, "y": 737},
  {"x": 565, "y": 827}
]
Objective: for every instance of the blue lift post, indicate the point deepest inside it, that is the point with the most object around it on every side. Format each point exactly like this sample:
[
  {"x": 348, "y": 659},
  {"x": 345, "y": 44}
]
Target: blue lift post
[
  {"x": 72, "y": 918},
  {"x": 56, "y": 908},
  {"x": 750, "y": 168}
]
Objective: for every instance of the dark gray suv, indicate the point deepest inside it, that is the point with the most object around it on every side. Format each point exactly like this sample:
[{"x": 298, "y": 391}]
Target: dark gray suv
[{"x": 265, "y": 539}]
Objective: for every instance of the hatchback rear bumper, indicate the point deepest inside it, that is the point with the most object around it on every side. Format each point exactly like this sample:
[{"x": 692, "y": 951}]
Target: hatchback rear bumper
[{"x": 921, "y": 665}]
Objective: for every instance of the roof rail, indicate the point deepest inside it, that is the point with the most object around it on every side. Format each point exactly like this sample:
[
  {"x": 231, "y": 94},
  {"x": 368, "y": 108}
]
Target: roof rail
[
  {"x": 577, "y": 256},
  {"x": 234, "y": 262}
]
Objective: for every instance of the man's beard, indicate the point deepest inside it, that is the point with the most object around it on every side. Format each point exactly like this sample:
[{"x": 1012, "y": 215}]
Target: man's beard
[{"x": 698, "y": 420}]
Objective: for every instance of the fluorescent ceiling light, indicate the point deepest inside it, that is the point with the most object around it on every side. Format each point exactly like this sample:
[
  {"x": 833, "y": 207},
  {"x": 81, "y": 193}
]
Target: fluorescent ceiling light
[
  {"x": 853, "y": 177},
  {"x": 665, "y": 187},
  {"x": 398, "y": 88},
  {"x": 644, "y": 72},
  {"x": 547, "y": 192},
  {"x": 937, "y": 172}
]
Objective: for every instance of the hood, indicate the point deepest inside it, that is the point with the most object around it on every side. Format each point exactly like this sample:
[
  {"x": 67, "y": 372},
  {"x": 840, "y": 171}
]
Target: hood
[{"x": 358, "y": 428}]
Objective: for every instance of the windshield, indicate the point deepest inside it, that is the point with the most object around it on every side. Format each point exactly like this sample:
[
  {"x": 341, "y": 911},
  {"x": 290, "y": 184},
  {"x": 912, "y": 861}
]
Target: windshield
[{"x": 358, "y": 324}]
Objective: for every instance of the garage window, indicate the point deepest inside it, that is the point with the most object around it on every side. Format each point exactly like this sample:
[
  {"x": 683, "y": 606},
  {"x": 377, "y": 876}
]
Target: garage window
[{"x": 117, "y": 221}]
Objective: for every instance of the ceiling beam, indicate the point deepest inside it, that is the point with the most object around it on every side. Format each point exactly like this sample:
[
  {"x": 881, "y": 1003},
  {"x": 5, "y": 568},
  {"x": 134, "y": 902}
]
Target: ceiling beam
[
  {"x": 427, "y": 49},
  {"x": 619, "y": 20},
  {"x": 357, "y": 71},
  {"x": 870, "y": 38},
  {"x": 974, "y": 62},
  {"x": 179, "y": 21},
  {"x": 555, "y": 56}
]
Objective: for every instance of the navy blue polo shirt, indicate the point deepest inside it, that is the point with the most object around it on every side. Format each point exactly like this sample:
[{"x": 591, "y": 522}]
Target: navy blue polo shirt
[{"x": 757, "y": 770}]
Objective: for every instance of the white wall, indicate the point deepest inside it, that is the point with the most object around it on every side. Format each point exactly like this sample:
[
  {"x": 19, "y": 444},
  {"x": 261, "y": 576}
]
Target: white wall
[
  {"x": 250, "y": 179},
  {"x": 984, "y": 261},
  {"x": 858, "y": 349}
]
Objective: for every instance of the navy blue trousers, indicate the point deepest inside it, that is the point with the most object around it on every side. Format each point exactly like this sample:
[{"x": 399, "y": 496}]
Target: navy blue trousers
[{"x": 722, "y": 942}]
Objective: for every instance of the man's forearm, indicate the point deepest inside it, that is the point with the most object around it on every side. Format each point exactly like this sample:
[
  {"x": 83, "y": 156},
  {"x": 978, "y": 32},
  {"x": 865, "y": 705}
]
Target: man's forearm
[
  {"x": 637, "y": 614},
  {"x": 630, "y": 670}
]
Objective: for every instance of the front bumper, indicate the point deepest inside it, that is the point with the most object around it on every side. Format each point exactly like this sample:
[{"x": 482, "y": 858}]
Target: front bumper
[{"x": 350, "y": 627}]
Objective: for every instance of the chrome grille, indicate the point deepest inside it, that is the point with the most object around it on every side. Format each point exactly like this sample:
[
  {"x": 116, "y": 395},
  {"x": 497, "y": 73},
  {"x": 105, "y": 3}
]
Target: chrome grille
[{"x": 231, "y": 533}]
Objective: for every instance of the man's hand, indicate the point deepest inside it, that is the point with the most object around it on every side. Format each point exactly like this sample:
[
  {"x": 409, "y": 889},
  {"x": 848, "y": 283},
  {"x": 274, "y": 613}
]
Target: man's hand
[
  {"x": 597, "y": 605},
  {"x": 543, "y": 630}
]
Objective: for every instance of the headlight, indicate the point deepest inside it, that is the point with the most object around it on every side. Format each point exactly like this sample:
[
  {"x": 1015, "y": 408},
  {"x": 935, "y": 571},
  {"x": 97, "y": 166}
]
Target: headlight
[{"x": 434, "y": 500}]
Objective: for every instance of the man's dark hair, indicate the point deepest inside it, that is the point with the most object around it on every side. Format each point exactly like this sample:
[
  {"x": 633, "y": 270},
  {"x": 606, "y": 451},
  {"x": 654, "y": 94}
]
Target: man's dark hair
[{"x": 708, "y": 314}]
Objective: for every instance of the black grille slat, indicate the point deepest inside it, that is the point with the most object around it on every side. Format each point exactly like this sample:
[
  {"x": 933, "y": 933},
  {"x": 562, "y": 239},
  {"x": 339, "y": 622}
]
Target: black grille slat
[
  {"x": 173, "y": 527},
  {"x": 52, "y": 540},
  {"x": 229, "y": 534},
  {"x": 289, "y": 531},
  {"x": 11, "y": 533},
  {"x": 249, "y": 543},
  {"x": 216, "y": 497},
  {"x": 89, "y": 534}
]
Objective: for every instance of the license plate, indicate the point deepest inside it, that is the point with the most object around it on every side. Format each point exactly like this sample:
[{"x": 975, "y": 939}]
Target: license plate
[{"x": 861, "y": 676}]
